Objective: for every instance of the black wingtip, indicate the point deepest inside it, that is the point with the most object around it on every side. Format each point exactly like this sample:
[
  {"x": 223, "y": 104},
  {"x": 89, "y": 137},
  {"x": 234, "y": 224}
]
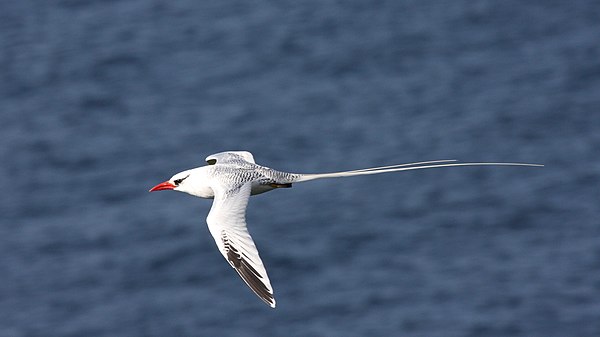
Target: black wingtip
[{"x": 252, "y": 278}]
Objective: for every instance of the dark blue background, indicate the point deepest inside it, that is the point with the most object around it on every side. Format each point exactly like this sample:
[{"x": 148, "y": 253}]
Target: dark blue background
[{"x": 100, "y": 100}]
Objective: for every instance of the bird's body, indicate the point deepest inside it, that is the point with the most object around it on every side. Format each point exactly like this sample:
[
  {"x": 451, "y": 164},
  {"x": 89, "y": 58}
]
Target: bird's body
[
  {"x": 237, "y": 168},
  {"x": 231, "y": 178}
]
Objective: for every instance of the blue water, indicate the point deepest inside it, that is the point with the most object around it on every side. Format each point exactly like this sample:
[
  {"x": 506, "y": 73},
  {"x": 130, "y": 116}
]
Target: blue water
[{"x": 101, "y": 100}]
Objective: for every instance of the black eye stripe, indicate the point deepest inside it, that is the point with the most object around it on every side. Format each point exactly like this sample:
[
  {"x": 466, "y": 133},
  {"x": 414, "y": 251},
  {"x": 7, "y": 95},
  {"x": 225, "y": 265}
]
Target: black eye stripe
[{"x": 178, "y": 181}]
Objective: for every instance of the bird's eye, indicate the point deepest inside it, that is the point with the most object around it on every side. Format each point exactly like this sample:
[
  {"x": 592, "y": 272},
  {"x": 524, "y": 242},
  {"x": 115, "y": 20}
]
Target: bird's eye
[
  {"x": 211, "y": 161},
  {"x": 178, "y": 181}
]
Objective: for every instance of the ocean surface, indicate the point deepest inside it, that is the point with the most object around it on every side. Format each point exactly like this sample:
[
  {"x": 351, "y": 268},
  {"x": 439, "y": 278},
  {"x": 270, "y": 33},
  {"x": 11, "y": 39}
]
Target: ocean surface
[{"x": 101, "y": 100}]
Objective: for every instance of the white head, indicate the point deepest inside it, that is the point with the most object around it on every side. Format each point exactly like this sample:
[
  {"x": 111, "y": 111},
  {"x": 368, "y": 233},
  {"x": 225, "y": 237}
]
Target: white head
[{"x": 193, "y": 181}]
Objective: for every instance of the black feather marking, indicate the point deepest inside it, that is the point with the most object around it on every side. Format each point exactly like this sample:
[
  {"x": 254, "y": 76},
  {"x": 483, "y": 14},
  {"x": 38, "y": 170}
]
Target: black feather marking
[
  {"x": 276, "y": 185},
  {"x": 252, "y": 277}
]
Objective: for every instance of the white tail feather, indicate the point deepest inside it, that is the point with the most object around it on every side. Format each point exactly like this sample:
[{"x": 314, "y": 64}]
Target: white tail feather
[{"x": 402, "y": 167}]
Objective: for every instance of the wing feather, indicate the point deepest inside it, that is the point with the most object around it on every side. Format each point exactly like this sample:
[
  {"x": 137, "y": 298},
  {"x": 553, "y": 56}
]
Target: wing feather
[
  {"x": 230, "y": 157},
  {"x": 227, "y": 224}
]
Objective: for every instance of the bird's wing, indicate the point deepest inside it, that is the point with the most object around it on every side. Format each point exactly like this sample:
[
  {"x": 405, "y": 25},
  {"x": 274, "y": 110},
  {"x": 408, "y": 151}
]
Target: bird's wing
[
  {"x": 227, "y": 224},
  {"x": 230, "y": 157}
]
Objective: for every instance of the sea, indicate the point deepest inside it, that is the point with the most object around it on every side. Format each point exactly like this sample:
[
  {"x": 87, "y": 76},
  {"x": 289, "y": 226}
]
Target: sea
[{"x": 101, "y": 100}]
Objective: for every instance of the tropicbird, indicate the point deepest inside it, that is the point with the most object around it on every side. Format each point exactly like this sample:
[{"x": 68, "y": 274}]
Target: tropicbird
[{"x": 231, "y": 177}]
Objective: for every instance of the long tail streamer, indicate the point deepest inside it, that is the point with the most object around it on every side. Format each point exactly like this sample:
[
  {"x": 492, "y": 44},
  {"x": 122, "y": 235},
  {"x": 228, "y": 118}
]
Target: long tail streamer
[{"x": 403, "y": 167}]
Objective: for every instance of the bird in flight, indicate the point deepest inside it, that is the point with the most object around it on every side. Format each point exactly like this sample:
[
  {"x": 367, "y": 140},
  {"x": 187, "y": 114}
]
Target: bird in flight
[{"x": 230, "y": 178}]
